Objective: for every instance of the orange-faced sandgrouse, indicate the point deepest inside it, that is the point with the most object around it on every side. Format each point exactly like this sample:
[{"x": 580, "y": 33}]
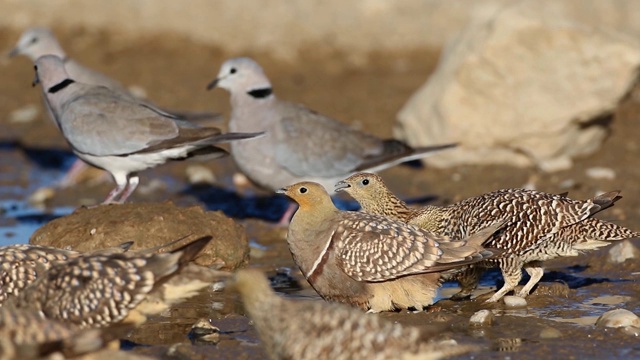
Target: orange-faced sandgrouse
[
  {"x": 370, "y": 261},
  {"x": 539, "y": 226},
  {"x": 102, "y": 290},
  {"x": 299, "y": 144},
  {"x": 315, "y": 330}
]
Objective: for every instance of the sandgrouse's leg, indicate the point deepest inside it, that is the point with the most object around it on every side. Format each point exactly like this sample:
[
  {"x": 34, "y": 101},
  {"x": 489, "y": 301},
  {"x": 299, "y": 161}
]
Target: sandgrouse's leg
[
  {"x": 535, "y": 271},
  {"x": 511, "y": 273},
  {"x": 468, "y": 280}
]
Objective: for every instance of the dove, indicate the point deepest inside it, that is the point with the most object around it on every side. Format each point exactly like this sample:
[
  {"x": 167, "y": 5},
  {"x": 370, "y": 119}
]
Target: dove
[
  {"x": 38, "y": 41},
  {"x": 119, "y": 134},
  {"x": 299, "y": 144},
  {"x": 540, "y": 226}
]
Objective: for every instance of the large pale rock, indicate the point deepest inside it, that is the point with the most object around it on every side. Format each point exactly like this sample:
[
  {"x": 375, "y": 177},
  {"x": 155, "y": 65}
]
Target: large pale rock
[
  {"x": 524, "y": 87},
  {"x": 148, "y": 225}
]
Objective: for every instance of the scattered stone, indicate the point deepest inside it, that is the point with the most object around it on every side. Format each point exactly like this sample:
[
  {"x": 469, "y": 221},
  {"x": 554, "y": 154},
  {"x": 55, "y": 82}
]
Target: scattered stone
[
  {"x": 41, "y": 196},
  {"x": 515, "y": 302},
  {"x": 203, "y": 331},
  {"x": 464, "y": 100},
  {"x": 550, "y": 333},
  {"x": 600, "y": 173},
  {"x": 25, "y": 114},
  {"x": 556, "y": 289},
  {"x": 148, "y": 225},
  {"x": 622, "y": 252},
  {"x": 138, "y": 91},
  {"x": 199, "y": 174},
  {"x": 619, "y": 318},
  {"x": 481, "y": 318}
]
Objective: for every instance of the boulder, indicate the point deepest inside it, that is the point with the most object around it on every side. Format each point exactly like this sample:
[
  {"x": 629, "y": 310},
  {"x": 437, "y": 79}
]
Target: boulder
[
  {"x": 527, "y": 86},
  {"x": 148, "y": 225}
]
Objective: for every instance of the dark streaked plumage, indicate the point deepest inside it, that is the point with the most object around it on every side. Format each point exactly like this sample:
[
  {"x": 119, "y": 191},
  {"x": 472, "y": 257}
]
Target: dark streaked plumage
[
  {"x": 370, "y": 261},
  {"x": 539, "y": 226},
  {"x": 316, "y": 330}
]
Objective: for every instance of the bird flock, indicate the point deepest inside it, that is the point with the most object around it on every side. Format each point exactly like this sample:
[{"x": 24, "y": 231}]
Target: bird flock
[{"x": 386, "y": 257}]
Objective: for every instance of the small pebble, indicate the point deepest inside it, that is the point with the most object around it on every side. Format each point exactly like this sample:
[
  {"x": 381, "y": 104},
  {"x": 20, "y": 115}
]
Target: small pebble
[
  {"x": 600, "y": 173},
  {"x": 515, "y": 302},
  {"x": 199, "y": 174},
  {"x": 568, "y": 184},
  {"x": 550, "y": 333},
  {"x": 618, "y": 318},
  {"x": 621, "y": 252},
  {"x": 40, "y": 196},
  {"x": 138, "y": 91},
  {"x": 481, "y": 318},
  {"x": 557, "y": 289},
  {"x": 202, "y": 330},
  {"x": 25, "y": 114}
]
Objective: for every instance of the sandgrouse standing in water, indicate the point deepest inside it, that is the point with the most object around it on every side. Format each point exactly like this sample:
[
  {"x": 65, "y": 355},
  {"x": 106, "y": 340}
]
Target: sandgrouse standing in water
[
  {"x": 370, "y": 261},
  {"x": 317, "y": 330},
  {"x": 539, "y": 226}
]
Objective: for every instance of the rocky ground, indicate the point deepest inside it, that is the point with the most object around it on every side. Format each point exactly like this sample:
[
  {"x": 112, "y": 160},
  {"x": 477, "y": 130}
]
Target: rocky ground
[{"x": 558, "y": 321}]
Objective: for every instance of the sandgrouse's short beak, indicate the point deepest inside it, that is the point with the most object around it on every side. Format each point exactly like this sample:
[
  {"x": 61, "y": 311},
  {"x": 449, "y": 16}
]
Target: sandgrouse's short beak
[
  {"x": 213, "y": 84},
  {"x": 341, "y": 185},
  {"x": 13, "y": 52},
  {"x": 282, "y": 191}
]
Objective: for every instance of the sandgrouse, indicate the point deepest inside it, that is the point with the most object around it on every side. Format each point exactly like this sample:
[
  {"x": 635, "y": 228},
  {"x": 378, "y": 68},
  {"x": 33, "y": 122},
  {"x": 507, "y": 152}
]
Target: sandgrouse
[
  {"x": 102, "y": 290},
  {"x": 317, "y": 330},
  {"x": 539, "y": 226},
  {"x": 21, "y": 264},
  {"x": 370, "y": 261},
  {"x": 28, "y": 334},
  {"x": 299, "y": 144}
]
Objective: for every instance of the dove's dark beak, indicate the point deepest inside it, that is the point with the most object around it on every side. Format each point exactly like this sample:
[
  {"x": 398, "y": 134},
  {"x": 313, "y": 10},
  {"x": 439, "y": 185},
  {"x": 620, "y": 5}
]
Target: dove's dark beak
[
  {"x": 13, "y": 52},
  {"x": 36, "y": 79},
  {"x": 213, "y": 84}
]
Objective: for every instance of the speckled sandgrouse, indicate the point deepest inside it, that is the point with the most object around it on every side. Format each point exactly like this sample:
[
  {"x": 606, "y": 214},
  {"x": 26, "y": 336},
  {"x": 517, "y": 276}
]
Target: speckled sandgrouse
[
  {"x": 539, "y": 226},
  {"x": 371, "y": 261},
  {"x": 21, "y": 264},
  {"x": 28, "y": 334},
  {"x": 101, "y": 290},
  {"x": 318, "y": 330}
]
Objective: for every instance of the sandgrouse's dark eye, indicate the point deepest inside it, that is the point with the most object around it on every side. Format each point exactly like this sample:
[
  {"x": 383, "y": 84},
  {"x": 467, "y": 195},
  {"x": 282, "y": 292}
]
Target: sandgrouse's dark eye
[
  {"x": 233, "y": 70},
  {"x": 303, "y": 190},
  {"x": 365, "y": 182}
]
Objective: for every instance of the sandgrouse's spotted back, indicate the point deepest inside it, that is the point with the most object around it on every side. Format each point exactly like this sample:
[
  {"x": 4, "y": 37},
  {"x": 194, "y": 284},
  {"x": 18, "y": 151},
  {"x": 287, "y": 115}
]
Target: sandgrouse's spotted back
[
  {"x": 317, "y": 330},
  {"x": 101, "y": 290},
  {"x": 21, "y": 264},
  {"x": 370, "y": 261},
  {"x": 539, "y": 226}
]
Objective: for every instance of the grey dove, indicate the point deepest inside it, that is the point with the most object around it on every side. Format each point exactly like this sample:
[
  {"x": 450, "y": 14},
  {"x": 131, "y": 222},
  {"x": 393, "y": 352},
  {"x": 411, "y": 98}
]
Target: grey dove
[
  {"x": 299, "y": 144},
  {"x": 119, "y": 134},
  {"x": 38, "y": 41},
  {"x": 370, "y": 261},
  {"x": 540, "y": 226}
]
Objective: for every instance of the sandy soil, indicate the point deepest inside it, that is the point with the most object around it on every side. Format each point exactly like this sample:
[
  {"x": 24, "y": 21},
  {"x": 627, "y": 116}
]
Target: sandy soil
[{"x": 367, "y": 95}]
